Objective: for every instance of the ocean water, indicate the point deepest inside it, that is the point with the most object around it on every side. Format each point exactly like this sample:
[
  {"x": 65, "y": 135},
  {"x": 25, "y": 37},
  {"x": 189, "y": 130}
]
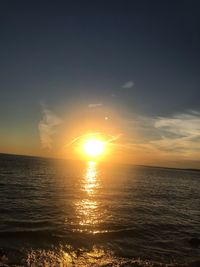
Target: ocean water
[{"x": 70, "y": 213}]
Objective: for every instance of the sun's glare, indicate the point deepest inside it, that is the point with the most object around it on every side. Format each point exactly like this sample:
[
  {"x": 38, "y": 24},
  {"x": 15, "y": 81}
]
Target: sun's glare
[{"x": 94, "y": 147}]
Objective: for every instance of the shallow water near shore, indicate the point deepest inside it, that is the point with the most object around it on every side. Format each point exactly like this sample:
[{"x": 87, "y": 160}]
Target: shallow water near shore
[{"x": 68, "y": 213}]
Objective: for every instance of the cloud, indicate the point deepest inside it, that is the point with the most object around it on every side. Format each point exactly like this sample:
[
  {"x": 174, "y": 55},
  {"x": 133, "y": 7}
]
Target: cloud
[
  {"x": 107, "y": 138},
  {"x": 95, "y": 105},
  {"x": 183, "y": 125},
  {"x": 128, "y": 85},
  {"x": 169, "y": 140},
  {"x": 178, "y": 127},
  {"x": 179, "y": 133},
  {"x": 47, "y": 127}
]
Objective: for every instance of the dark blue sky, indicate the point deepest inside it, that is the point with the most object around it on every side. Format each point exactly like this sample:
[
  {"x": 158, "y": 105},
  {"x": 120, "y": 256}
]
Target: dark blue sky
[{"x": 60, "y": 52}]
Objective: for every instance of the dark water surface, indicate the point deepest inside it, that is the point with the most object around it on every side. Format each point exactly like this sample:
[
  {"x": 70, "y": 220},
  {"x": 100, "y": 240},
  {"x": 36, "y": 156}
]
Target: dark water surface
[{"x": 64, "y": 213}]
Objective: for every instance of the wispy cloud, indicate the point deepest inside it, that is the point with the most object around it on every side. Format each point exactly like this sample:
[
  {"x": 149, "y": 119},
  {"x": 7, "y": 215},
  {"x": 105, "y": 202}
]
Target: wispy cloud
[
  {"x": 107, "y": 138},
  {"x": 179, "y": 133},
  {"x": 175, "y": 137},
  {"x": 47, "y": 127},
  {"x": 184, "y": 125},
  {"x": 95, "y": 105},
  {"x": 128, "y": 85}
]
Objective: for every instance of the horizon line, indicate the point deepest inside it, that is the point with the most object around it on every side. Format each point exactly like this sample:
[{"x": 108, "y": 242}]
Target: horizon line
[{"x": 137, "y": 165}]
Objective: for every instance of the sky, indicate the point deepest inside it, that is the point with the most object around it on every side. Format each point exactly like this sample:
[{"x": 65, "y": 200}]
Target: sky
[{"x": 126, "y": 69}]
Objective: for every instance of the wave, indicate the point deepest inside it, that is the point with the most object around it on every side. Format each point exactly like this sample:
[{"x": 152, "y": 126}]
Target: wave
[
  {"x": 66, "y": 233},
  {"x": 27, "y": 234},
  {"x": 66, "y": 256}
]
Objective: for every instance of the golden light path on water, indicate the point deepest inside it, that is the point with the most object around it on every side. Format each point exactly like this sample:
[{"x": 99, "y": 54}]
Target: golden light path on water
[{"x": 87, "y": 209}]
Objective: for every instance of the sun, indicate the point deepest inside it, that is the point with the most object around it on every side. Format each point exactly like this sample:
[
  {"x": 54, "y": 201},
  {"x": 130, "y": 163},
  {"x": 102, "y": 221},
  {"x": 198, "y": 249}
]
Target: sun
[{"x": 94, "y": 147}]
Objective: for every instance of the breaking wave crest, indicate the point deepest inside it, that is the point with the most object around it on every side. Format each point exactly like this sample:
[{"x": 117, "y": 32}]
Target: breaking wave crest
[{"x": 66, "y": 256}]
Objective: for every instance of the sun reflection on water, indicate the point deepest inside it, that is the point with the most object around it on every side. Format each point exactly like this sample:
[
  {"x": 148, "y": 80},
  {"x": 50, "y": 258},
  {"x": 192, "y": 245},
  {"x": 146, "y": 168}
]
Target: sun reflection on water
[
  {"x": 90, "y": 183},
  {"x": 87, "y": 209}
]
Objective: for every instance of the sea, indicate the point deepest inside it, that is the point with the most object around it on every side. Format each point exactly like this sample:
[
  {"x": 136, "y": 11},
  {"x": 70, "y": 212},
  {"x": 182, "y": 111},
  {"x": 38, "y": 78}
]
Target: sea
[{"x": 73, "y": 213}]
